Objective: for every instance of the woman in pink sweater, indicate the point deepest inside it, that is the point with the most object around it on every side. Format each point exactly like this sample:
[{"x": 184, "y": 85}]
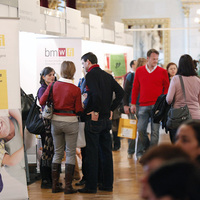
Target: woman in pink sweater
[{"x": 186, "y": 69}]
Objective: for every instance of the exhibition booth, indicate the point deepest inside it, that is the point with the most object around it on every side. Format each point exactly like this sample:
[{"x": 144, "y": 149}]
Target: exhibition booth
[
  {"x": 33, "y": 38},
  {"x": 39, "y": 51}
]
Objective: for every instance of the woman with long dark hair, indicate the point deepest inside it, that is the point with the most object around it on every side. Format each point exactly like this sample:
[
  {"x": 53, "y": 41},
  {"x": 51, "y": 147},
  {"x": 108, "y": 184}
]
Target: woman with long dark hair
[
  {"x": 47, "y": 76},
  {"x": 186, "y": 69}
]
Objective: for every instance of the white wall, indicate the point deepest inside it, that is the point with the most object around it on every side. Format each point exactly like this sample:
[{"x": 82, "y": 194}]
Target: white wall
[
  {"x": 132, "y": 9},
  {"x": 194, "y": 34},
  {"x": 120, "y": 9},
  {"x": 182, "y": 41}
]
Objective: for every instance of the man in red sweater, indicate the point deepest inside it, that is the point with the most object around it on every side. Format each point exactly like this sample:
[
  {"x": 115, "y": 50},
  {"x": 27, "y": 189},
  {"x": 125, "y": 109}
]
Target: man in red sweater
[{"x": 150, "y": 82}]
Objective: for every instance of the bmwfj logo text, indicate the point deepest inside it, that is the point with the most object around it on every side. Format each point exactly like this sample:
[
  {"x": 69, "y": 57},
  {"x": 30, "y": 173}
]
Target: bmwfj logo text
[{"x": 61, "y": 52}]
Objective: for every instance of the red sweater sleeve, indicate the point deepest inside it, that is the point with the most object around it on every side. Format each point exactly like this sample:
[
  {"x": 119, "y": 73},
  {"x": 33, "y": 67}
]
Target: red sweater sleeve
[
  {"x": 44, "y": 97},
  {"x": 78, "y": 103}
]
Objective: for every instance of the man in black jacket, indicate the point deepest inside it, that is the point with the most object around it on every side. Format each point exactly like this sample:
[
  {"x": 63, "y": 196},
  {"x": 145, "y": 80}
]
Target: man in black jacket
[{"x": 100, "y": 87}]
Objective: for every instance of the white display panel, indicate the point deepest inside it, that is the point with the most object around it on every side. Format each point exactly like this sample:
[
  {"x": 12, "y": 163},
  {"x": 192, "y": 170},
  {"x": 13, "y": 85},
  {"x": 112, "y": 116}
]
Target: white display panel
[
  {"x": 13, "y": 183},
  {"x": 119, "y": 33},
  {"x": 95, "y": 28},
  {"x": 29, "y": 13},
  {"x": 73, "y": 23}
]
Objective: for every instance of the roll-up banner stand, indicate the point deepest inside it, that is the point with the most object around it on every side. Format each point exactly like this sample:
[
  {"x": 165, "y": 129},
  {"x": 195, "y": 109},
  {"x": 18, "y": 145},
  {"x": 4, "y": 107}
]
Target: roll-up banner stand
[
  {"x": 13, "y": 183},
  {"x": 53, "y": 51}
]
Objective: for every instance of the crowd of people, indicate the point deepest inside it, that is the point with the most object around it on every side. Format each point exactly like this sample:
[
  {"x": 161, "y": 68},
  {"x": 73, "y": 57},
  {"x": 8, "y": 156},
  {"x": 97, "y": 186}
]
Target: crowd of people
[
  {"x": 62, "y": 129},
  {"x": 94, "y": 102}
]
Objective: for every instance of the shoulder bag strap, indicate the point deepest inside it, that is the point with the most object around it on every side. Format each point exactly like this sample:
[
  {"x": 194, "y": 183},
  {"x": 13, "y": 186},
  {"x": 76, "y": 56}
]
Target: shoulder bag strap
[
  {"x": 50, "y": 91},
  {"x": 182, "y": 86},
  {"x": 183, "y": 89},
  {"x": 35, "y": 100}
]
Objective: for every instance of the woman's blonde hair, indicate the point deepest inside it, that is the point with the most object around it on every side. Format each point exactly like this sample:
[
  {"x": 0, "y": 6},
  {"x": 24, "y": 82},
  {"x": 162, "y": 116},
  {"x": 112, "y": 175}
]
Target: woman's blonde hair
[
  {"x": 141, "y": 62},
  {"x": 67, "y": 69}
]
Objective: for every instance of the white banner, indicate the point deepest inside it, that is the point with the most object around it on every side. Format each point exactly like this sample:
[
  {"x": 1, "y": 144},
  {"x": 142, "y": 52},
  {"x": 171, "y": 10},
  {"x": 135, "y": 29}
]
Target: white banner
[
  {"x": 9, "y": 63},
  {"x": 73, "y": 23},
  {"x": 12, "y": 169},
  {"x": 119, "y": 33},
  {"x": 96, "y": 32},
  {"x": 53, "y": 51},
  {"x": 29, "y": 13}
]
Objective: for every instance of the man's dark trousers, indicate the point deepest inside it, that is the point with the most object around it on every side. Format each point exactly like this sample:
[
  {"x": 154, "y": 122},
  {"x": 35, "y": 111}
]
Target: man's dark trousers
[{"x": 98, "y": 134}]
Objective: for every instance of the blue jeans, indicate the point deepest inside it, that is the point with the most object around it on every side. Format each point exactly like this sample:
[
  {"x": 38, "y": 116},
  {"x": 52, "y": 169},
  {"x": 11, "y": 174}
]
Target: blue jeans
[
  {"x": 98, "y": 153},
  {"x": 144, "y": 115},
  {"x": 131, "y": 142},
  {"x": 131, "y": 146}
]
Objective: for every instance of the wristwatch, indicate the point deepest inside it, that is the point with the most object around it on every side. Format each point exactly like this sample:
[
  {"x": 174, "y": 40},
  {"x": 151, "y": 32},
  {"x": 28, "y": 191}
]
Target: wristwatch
[{"x": 96, "y": 113}]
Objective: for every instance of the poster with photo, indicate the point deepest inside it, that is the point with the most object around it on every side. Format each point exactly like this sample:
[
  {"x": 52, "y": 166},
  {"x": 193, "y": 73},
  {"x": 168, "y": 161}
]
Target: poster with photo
[{"x": 12, "y": 167}]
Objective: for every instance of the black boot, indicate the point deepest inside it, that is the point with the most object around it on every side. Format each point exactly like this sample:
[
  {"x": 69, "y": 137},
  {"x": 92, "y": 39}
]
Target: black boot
[
  {"x": 46, "y": 182},
  {"x": 56, "y": 187},
  {"x": 69, "y": 172}
]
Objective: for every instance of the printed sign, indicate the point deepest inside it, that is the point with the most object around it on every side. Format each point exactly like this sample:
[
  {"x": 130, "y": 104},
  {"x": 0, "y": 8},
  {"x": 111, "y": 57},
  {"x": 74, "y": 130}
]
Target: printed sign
[
  {"x": 95, "y": 28},
  {"x": 73, "y": 23},
  {"x": 53, "y": 51},
  {"x": 117, "y": 63},
  {"x": 119, "y": 33},
  {"x": 127, "y": 132},
  {"x": 29, "y": 13},
  {"x": 3, "y": 90}
]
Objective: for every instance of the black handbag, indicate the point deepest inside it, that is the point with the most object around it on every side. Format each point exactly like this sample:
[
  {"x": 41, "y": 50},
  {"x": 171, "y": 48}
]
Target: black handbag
[
  {"x": 176, "y": 116},
  {"x": 34, "y": 122},
  {"x": 26, "y": 103}
]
